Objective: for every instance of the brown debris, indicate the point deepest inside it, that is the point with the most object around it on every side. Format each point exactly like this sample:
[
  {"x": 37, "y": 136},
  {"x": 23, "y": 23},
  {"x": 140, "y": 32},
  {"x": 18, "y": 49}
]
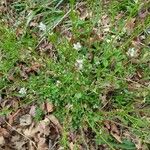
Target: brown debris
[
  {"x": 48, "y": 48},
  {"x": 48, "y": 107},
  {"x": 113, "y": 130},
  {"x": 26, "y": 71},
  {"x": 30, "y": 135},
  {"x": 130, "y": 25}
]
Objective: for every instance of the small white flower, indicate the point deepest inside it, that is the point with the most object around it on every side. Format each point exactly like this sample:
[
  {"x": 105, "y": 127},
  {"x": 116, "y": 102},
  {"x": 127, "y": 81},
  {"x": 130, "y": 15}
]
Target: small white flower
[
  {"x": 42, "y": 26},
  {"x": 23, "y": 91},
  {"x": 107, "y": 29},
  {"x": 58, "y": 83},
  {"x": 79, "y": 64},
  {"x": 132, "y": 52},
  {"x": 142, "y": 37},
  {"x": 108, "y": 41},
  {"x": 136, "y": 1},
  {"x": 77, "y": 46}
]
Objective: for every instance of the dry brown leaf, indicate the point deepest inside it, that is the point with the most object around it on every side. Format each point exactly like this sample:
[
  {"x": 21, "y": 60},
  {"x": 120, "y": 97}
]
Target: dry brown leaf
[
  {"x": 113, "y": 130},
  {"x": 55, "y": 121},
  {"x": 11, "y": 117},
  {"x": 2, "y": 141},
  {"x": 33, "y": 24},
  {"x": 107, "y": 124},
  {"x": 117, "y": 137},
  {"x": 48, "y": 107},
  {"x": 19, "y": 32},
  {"x": 31, "y": 131},
  {"x": 48, "y": 48},
  {"x": 71, "y": 146},
  {"x": 4, "y": 132},
  {"x": 130, "y": 25},
  {"x": 25, "y": 70},
  {"x": 25, "y": 120},
  {"x": 32, "y": 111},
  {"x": 42, "y": 143},
  {"x": 34, "y": 68},
  {"x": 143, "y": 13},
  {"x": 11, "y": 77},
  {"x": 44, "y": 126}
]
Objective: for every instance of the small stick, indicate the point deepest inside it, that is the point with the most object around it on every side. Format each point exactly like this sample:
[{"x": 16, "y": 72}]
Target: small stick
[{"x": 21, "y": 134}]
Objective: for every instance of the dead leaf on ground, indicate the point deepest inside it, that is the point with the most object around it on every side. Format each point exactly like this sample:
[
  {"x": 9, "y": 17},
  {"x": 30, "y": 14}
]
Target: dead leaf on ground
[
  {"x": 130, "y": 25},
  {"x": 32, "y": 111},
  {"x": 48, "y": 48},
  {"x": 2, "y": 141},
  {"x": 11, "y": 117},
  {"x": 25, "y": 120},
  {"x": 31, "y": 131},
  {"x": 143, "y": 13},
  {"x": 26, "y": 71},
  {"x": 71, "y": 146},
  {"x": 19, "y": 32},
  {"x": 113, "y": 130},
  {"x": 34, "y": 68},
  {"x": 55, "y": 121},
  {"x": 11, "y": 77},
  {"x": 48, "y": 107},
  {"x": 83, "y": 11}
]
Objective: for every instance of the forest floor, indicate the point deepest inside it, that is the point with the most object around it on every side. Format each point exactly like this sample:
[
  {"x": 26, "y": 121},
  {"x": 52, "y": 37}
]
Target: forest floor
[{"x": 74, "y": 75}]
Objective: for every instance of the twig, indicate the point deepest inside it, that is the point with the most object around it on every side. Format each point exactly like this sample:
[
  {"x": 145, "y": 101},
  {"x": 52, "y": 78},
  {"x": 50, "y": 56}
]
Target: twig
[{"x": 21, "y": 134}]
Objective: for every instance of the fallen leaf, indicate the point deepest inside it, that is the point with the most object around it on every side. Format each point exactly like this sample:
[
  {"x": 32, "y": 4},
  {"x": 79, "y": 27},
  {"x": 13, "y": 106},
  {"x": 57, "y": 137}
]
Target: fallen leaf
[
  {"x": 19, "y": 32},
  {"x": 130, "y": 25},
  {"x": 31, "y": 131},
  {"x": 33, "y": 68},
  {"x": 33, "y": 24},
  {"x": 48, "y": 48},
  {"x": 143, "y": 13},
  {"x": 49, "y": 107},
  {"x": 4, "y": 132},
  {"x": 32, "y": 111},
  {"x": 2, "y": 141},
  {"x": 11, "y": 117},
  {"x": 43, "y": 124},
  {"x": 107, "y": 124},
  {"x": 42, "y": 145},
  {"x": 113, "y": 130},
  {"x": 117, "y": 137},
  {"x": 25, "y": 120},
  {"x": 11, "y": 77},
  {"x": 71, "y": 146},
  {"x": 55, "y": 121}
]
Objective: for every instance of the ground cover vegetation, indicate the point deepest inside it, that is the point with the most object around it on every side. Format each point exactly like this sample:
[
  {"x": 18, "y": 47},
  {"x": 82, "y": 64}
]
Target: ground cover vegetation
[{"x": 74, "y": 74}]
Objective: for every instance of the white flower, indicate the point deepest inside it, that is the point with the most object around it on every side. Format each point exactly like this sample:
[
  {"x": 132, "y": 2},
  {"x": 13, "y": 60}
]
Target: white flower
[
  {"x": 58, "y": 83},
  {"x": 132, "y": 52},
  {"x": 106, "y": 29},
  {"x": 42, "y": 26},
  {"x": 79, "y": 64},
  {"x": 136, "y": 1},
  {"x": 108, "y": 41},
  {"x": 77, "y": 46},
  {"x": 23, "y": 91}
]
